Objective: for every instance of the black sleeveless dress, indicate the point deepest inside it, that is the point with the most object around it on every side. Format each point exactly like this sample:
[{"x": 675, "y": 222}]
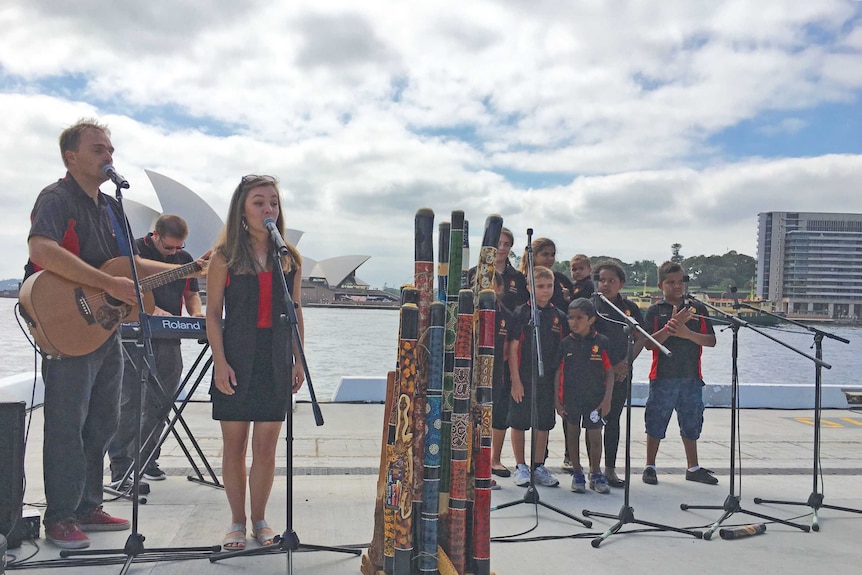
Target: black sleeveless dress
[{"x": 259, "y": 356}]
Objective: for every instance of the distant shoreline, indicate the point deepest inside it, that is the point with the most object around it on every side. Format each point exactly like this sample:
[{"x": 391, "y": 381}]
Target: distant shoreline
[{"x": 355, "y": 305}]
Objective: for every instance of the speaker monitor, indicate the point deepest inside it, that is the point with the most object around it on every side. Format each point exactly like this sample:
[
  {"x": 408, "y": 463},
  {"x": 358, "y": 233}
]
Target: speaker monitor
[{"x": 11, "y": 464}]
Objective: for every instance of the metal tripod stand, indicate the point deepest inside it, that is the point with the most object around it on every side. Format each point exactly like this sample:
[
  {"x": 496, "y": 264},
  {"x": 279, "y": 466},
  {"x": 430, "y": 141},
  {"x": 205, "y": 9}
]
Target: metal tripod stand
[
  {"x": 731, "y": 504},
  {"x": 815, "y": 499},
  {"x": 626, "y": 513}
]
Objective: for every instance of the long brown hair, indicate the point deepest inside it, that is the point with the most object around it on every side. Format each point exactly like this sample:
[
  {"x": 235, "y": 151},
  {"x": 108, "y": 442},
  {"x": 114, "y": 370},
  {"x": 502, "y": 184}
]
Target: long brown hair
[{"x": 234, "y": 241}]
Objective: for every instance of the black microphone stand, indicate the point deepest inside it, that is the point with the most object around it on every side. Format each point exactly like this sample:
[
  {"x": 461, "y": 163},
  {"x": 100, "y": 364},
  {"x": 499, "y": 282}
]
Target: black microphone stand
[
  {"x": 288, "y": 542},
  {"x": 626, "y": 513},
  {"x": 134, "y": 546},
  {"x": 815, "y": 499},
  {"x": 732, "y": 502},
  {"x": 538, "y": 370}
]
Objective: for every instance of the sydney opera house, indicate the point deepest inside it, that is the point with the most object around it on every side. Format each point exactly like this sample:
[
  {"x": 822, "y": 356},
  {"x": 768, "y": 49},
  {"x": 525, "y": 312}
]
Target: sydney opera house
[{"x": 330, "y": 281}]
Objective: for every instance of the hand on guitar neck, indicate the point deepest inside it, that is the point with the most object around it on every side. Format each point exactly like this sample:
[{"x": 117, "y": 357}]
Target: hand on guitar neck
[{"x": 122, "y": 288}]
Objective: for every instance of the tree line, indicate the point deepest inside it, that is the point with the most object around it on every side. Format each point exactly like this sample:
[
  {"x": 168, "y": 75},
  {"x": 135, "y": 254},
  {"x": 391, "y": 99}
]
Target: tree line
[{"x": 715, "y": 271}]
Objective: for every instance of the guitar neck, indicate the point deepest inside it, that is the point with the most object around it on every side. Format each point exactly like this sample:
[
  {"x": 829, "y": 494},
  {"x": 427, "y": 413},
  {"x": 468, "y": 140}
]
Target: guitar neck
[{"x": 162, "y": 278}]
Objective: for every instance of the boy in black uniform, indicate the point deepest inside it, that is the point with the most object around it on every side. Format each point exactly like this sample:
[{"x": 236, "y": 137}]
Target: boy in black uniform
[
  {"x": 611, "y": 279},
  {"x": 522, "y": 354},
  {"x": 676, "y": 382},
  {"x": 585, "y": 383},
  {"x": 582, "y": 284}
]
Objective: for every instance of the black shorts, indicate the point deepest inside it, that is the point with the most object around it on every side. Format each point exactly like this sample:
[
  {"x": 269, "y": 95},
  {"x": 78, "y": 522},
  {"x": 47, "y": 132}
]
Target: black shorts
[
  {"x": 583, "y": 416},
  {"x": 520, "y": 413},
  {"x": 580, "y": 406}
]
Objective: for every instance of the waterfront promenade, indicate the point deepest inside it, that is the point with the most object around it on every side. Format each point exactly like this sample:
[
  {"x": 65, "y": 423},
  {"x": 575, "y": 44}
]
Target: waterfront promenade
[{"x": 335, "y": 474}]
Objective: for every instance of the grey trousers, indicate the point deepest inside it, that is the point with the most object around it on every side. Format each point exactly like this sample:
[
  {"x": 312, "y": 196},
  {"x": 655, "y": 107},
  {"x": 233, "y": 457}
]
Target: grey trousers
[{"x": 82, "y": 407}]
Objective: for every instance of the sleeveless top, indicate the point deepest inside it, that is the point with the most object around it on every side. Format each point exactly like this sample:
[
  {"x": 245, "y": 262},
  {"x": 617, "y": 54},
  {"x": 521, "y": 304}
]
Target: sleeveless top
[{"x": 242, "y": 296}]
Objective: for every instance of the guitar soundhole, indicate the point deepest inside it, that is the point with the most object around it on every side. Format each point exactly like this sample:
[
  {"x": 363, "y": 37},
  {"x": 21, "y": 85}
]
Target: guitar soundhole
[{"x": 113, "y": 301}]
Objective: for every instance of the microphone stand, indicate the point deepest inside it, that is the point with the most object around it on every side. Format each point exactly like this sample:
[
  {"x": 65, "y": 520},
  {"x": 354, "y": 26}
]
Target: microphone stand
[
  {"x": 538, "y": 370},
  {"x": 731, "y": 503},
  {"x": 134, "y": 546},
  {"x": 626, "y": 513},
  {"x": 815, "y": 499},
  {"x": 288, "y": 542}
]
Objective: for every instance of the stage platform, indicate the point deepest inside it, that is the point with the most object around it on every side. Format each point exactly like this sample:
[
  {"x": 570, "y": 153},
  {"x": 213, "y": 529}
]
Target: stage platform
[{"x": 335, "y": 474}]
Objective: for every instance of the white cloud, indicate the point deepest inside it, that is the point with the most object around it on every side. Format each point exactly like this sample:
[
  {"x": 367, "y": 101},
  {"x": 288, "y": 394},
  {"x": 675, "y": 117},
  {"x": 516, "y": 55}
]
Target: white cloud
[{"x": 368, "y": 111}]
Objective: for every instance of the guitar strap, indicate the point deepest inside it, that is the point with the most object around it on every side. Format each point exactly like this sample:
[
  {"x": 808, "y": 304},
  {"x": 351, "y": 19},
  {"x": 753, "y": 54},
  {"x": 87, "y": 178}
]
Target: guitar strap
[{"x": 119, "y": 232}]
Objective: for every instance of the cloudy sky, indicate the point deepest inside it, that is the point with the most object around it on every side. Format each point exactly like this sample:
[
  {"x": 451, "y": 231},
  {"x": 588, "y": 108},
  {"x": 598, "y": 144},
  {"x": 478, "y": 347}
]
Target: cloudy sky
[{"x": 613, "y": 127}]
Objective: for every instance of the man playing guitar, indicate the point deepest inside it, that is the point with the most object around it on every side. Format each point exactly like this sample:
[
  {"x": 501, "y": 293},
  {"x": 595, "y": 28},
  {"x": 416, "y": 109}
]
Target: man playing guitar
[{"x": 75, "y": 228}]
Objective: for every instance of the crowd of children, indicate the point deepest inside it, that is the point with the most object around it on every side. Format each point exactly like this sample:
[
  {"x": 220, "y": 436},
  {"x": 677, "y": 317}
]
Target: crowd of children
[{"x": 573, "y": 354}]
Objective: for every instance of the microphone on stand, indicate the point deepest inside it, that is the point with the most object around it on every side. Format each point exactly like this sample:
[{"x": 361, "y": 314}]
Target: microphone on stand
[
  {"x": 270, "y": 225},
  {"x": 112, "y": 174}
]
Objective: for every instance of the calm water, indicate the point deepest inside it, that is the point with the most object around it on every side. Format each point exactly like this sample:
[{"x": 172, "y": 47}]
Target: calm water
[{"x": 363, "y": 343}]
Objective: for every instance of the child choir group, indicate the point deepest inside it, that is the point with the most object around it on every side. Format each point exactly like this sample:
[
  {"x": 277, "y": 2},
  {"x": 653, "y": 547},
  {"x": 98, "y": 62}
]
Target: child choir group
[{"x": 584, "y": 348}]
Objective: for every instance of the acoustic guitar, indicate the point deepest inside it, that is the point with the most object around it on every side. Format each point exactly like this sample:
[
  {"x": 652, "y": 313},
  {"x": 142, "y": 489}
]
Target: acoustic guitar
[{"x": 68, "y": 320}]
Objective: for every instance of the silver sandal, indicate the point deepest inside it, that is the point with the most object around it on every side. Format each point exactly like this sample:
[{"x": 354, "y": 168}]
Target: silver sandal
[
  {"x": 237, "y": 542},
  {"x": 263, "y": 538}
]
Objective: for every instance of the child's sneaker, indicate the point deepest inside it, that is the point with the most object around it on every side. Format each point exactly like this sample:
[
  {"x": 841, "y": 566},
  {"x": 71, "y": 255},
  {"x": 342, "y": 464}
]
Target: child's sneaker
[
  {"x": 579, "y": 482},
  {"x": 599, "y": 483},
  {"x": 567, "y": 464},
  {"x": 544, "y": 477},
  {"x": 522, "y": 475}
]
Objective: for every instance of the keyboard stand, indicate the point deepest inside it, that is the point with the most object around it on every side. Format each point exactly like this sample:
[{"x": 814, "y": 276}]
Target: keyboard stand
[{"x": 198, "y": 371}]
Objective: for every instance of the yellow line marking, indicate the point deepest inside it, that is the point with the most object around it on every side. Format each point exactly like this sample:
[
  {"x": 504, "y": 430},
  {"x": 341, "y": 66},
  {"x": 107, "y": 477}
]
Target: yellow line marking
[
  {"x": 823, "y": 422},
  {"x": 852, "y": 421}
]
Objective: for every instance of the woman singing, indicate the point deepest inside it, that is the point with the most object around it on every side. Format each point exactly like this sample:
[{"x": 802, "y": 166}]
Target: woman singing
[{"x": 255, "y": 368}]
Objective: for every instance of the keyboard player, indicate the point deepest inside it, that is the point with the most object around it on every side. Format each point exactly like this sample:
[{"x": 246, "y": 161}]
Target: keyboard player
[{"x": 165, "y": 243}]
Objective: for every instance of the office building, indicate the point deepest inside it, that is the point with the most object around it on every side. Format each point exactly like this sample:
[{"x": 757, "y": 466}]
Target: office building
[{"x": 810, "y": 264}]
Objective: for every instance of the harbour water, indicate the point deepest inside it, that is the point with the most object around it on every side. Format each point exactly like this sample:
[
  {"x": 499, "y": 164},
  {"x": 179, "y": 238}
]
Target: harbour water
[{"x": 362, "y": 342}]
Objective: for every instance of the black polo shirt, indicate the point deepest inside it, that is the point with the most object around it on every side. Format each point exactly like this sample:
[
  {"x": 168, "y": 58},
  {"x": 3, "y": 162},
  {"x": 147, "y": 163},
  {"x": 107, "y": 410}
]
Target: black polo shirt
[
  {"x": 515, "y": 291},
  {"x": 553, "y": 327},
  {"x": 684, "y": 361},
  {"x": 583, "y": 288},
  {"x": 583, "y": 363},
  {"x": 504, "y": 321},
  {"x": 169, "y": 297},
  {"x": 65, "y": 213},
  {"x": 561, "y": 282},
  {"x": 614, "y": 330}
]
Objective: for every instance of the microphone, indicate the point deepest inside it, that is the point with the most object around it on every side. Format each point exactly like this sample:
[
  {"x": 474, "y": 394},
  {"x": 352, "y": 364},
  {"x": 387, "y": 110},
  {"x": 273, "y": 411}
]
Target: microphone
[
  {"x": 276, "y": 236},
  {"x": 742, "y": 531},
  {"x": 112, "y": 174},
  {"x": 735, "y": 297}
]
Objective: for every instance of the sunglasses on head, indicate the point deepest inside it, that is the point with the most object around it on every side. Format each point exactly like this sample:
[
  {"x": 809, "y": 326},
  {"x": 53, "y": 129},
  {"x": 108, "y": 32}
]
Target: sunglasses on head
[{"x": 253, "y": 177}]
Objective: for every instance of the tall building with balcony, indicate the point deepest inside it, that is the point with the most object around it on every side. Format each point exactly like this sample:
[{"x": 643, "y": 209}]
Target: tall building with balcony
[{"x": 810, "y": 263}]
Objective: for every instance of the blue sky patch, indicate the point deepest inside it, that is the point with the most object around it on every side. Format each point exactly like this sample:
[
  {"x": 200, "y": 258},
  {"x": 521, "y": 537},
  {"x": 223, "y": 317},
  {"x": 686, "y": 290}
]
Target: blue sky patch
[{"x": 827, "y": 129}]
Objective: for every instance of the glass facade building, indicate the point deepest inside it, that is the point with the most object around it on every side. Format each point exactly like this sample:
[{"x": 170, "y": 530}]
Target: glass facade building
[{"x": 810, "y": 263}]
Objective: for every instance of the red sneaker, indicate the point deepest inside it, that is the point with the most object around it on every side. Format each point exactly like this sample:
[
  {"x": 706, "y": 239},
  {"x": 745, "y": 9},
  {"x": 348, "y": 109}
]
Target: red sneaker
[
  {"x": 67, "y": 535},
  {"x": 99, "y": 520}
]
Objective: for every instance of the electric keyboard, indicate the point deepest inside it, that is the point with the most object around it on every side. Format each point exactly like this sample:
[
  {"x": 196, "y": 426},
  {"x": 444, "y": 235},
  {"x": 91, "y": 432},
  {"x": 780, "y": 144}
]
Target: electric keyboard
[{"x": 168, "y": 327}]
